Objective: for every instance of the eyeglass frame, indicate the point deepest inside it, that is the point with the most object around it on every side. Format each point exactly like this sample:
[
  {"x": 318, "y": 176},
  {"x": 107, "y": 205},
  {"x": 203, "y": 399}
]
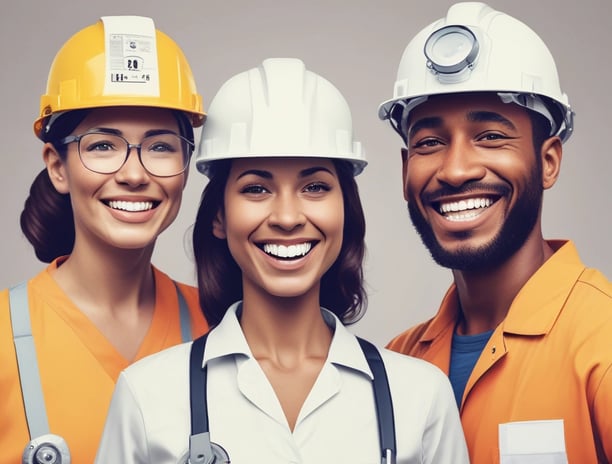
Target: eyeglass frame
[{"x": 138, "y": 146}]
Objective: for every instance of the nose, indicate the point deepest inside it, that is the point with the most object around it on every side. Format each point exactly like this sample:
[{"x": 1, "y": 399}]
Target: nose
[
  {"x": 461, "y": 163},
  {"x": 287, "y": 212},
  {"x": 132, "y": 172}
]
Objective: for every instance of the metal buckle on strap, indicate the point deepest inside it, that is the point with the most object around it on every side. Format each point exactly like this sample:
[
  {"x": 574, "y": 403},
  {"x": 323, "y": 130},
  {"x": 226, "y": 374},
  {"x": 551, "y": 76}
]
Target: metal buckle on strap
[{"x": 46, "y": 449}]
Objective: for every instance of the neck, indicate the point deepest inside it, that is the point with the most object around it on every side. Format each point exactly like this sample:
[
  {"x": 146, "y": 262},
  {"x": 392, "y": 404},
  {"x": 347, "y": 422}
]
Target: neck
[
  {"x": 290, "y": 340},
  {"x": 486, "y": 297},
  {"x": 284, "y": 330},
  {"x": 115, "y": 290},
  {"x": 110, "y": 279}
]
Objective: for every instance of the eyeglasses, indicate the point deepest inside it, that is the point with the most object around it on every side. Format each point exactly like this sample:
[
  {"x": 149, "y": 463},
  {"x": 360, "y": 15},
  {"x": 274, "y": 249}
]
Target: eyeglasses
[{"x": 165, "y": 154}]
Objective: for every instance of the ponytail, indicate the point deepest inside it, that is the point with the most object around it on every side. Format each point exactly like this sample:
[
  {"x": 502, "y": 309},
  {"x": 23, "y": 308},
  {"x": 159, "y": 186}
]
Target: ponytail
[{"x": 47, "y": 220}]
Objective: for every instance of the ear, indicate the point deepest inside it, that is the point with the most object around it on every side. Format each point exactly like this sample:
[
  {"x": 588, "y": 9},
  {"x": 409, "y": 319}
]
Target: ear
[
  {"x": 55, "y": 168},
  {"x": 219, "y": 226},
  {"x": 404, "y": 172},
  {"x": 551, "y": 153}
]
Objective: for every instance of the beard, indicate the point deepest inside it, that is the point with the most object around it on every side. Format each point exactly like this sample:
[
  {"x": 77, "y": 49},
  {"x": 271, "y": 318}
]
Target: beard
[{"x": 513, "y": 234}]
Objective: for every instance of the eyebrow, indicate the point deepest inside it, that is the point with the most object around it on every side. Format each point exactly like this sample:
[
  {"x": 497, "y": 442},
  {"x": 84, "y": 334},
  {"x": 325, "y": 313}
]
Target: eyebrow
[
  {"x": 435, "y": 122},
  {"x": 149, "y": 133},
  {"x": 490, "y": 116},
  {"x": 268, "y": 175},
  {"x": 255, "y": 172},
  {"x": 310, "y": 171}
]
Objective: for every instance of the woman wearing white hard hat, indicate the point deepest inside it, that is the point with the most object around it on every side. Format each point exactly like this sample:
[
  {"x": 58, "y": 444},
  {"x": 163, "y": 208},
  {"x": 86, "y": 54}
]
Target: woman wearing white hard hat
[
  {"x": 279, "y": 244},
  {"x": 117, "y": 125}
]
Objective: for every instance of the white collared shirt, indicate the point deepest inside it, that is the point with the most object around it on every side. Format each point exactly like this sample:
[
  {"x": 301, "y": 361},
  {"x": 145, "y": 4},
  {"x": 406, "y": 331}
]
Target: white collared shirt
[{"x": 149, "y": 417}]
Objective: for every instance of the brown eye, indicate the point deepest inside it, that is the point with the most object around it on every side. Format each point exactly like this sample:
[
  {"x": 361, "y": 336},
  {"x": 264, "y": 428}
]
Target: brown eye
[
  {"x": 253, "y": 189},
  {"x": 317, "y": 187},
  {"x": 426, "y": 146},
  {"x": 492, "y": 136}
]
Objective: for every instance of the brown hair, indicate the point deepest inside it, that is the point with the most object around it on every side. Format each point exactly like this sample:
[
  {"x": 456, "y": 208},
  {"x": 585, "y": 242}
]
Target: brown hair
[
  {"x": 47, "y": 219},
  {"x": 220, "y": 278}
]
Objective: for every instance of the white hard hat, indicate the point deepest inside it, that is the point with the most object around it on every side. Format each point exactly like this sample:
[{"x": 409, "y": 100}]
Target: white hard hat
[
  {"x": 477, "y": 49},
  {"x": 278, "y": 109}
]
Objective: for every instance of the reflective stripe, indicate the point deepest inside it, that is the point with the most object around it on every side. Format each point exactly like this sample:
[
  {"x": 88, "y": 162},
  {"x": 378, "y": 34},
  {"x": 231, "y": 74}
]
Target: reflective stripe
[
  {"x": 29, "y": 376},
  {"x": 183, "y": 315}
]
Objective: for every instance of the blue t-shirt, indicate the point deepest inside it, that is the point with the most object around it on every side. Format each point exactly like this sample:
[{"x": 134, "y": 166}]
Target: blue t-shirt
[{"x": 465, "y": 351}]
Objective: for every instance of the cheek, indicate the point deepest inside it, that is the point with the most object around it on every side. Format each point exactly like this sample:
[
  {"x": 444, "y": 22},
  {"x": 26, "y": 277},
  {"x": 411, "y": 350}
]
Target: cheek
[
  {"x": 336, "y": 225},
  {"x": 418, "y": 173},
  {"x": 173, "y": 191},
  {"x": 81, "y": 183},
  {"x": 174, "y": 187},
  {"x": 240, "y": 220},
  {"x": 518, "y": 170},
  {"x": 329, "y": 218}
]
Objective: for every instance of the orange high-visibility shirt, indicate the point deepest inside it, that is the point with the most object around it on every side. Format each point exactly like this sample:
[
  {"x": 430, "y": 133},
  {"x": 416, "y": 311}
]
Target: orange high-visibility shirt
[
  {"x": 78, "y": 365},
  {"x": 550, "y": 358}
]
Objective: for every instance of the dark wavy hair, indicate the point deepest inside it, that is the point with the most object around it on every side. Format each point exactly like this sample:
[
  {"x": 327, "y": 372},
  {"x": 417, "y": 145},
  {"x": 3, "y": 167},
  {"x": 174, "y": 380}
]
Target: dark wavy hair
[
  {"x": 47, "y": 219},
  {"x": 220, "y": 278}
]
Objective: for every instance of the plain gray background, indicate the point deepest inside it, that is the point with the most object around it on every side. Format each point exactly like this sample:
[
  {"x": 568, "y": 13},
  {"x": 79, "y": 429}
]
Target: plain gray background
[{"x": 357, "y": 45}]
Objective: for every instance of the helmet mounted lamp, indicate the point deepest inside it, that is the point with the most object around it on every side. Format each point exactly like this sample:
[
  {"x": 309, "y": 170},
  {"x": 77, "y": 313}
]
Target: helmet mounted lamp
[{"x": 451, "y": 52}]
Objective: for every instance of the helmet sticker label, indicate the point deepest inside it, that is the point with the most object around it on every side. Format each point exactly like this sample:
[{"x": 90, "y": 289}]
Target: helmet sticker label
[{"x": 131, "y": 56}]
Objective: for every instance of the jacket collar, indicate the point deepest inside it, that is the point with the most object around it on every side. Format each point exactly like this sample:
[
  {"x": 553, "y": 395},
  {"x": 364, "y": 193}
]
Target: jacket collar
[{"x": 538, "y": 304}]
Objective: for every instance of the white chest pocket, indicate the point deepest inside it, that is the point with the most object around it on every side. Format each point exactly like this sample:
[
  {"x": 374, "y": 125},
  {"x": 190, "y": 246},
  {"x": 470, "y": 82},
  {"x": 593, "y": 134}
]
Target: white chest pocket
[{"x": 532, "y": 442}]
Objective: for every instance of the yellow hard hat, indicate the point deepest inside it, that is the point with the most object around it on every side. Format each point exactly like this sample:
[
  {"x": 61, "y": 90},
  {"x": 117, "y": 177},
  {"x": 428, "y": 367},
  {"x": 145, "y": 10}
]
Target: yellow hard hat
[{"x": 120, "y": 61}]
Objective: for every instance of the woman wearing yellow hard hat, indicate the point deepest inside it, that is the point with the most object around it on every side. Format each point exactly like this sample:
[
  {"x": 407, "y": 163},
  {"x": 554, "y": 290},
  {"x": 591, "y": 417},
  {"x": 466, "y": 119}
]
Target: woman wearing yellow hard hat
[{"x": 117, "y": 124}]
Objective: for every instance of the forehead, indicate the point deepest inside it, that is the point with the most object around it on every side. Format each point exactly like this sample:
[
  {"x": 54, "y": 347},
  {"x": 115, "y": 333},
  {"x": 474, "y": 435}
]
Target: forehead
[
  {"x": 464, "y": 106},
  {"x": 130, "y": 118},
  {"x": 281, "y": 164}
]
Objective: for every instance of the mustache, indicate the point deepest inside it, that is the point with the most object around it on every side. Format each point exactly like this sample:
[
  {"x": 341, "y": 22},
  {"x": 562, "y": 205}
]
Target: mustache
[{"x": 467, "y": 188}]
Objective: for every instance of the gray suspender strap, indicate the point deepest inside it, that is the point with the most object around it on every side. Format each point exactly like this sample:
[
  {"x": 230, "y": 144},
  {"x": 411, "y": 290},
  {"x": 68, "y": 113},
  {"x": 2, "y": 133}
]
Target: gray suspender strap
[
  {"x": 201, "y": 446},
  {"x": 29, "y": 376},
  {"x": 384, "y": 403},
  {"x": 184, "y": 315}
]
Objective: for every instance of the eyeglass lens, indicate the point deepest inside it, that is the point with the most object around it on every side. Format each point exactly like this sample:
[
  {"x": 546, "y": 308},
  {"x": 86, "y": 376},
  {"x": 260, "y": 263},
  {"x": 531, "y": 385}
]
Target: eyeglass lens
[{"x": 163, "y": 154}]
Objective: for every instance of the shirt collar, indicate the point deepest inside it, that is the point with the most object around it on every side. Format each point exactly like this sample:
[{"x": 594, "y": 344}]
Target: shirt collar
[
  {"x": 446, "y": 318},
  {"x": 537, "y": 305},
  {"x": 227, "y": 339},
  {"x": 344, "y": 350}
]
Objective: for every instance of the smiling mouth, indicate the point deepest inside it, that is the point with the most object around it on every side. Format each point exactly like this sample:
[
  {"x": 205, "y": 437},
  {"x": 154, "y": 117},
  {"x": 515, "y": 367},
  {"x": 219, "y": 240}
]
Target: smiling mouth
[
  {"x": 464, "y": 210},
  {"x": 287, "y": 252},
  {"x": 131, "y": 206}
]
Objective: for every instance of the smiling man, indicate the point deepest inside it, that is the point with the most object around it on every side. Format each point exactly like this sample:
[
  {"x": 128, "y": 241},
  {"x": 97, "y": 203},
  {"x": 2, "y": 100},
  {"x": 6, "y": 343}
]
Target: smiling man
[{"x": 524, "y": 331}]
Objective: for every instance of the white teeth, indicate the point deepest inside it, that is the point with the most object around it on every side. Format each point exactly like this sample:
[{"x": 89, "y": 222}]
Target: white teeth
[
  {"x": 131, "y": 206},
  {"x": 465, "y": 205},
  {"x": 462, "y": 217},
  {"x": 291, "y": 251}
]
